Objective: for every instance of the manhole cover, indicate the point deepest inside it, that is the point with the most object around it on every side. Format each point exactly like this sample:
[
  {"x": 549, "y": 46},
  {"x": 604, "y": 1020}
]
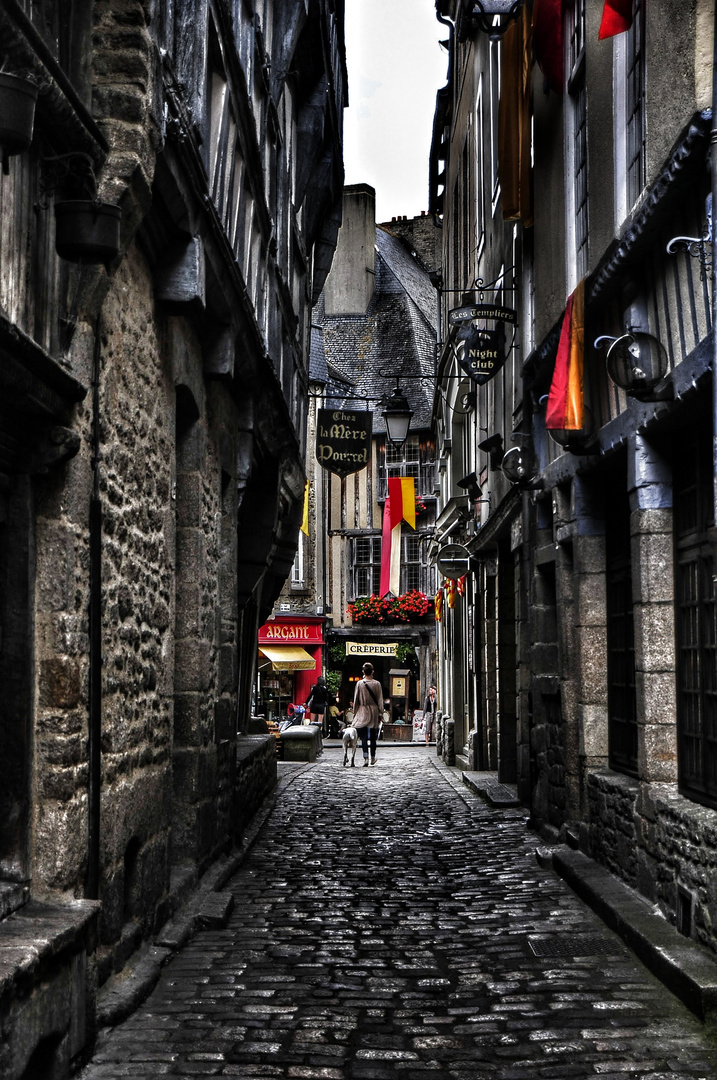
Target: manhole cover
[{"x": 572, "y": 946}]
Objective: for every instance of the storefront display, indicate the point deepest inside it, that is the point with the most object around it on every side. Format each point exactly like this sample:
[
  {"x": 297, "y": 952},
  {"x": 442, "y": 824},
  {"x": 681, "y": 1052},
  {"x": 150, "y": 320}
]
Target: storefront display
[{"x": 289, "y": 663}]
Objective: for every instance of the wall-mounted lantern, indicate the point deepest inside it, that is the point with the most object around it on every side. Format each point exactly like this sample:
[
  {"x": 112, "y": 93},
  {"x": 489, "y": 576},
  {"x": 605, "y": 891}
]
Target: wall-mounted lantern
[
  {"x": 520, "y": 467},
  {"x": 520, "y": 464},
  {"x": 471, "y": 486},
  {"x": 397, "y": 415},
  {"x": 493, "y": 446},
  {"x": 637, "y": 363}
]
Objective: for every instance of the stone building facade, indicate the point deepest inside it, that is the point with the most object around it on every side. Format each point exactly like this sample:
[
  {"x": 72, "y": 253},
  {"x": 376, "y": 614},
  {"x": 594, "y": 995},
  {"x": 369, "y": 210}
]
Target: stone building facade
[
  {"x": 582, "y": 665},
  {"x": 152, "y": 440}
]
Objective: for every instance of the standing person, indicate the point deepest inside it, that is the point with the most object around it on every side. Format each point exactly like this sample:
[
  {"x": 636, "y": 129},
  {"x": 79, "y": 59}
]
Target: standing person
[
  {"x": 318, "y": 702},
  {"x": 429, "y": 712},
  {"x": 368, "y": 705}
]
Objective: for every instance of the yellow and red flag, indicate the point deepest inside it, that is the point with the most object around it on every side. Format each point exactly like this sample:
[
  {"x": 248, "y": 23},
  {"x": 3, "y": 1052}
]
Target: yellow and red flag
[
  {"x": 450, "y": 587},
  {"x": 461, "y": 585},
  {"x": 438, "y": 605},
  {"x": 400, "y": 506},
  {"x": 566, "y": 402}
]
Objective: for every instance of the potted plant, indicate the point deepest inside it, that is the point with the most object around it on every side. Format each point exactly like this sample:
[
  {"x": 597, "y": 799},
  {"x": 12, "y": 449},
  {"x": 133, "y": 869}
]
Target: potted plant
[
  {"x": 86, "y": 230},
  {"x": 18, "y": 96}
]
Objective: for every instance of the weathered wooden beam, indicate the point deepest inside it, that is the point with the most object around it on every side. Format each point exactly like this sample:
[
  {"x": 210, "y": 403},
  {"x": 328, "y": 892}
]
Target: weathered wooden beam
[{"x": 180, "y": 281}]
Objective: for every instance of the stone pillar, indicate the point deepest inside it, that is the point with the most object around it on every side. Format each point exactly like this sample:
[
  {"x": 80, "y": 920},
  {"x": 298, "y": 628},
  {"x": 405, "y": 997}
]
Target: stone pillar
[
  {"x": 591, "y": 749},
  {"x": 650, "y": 491}
]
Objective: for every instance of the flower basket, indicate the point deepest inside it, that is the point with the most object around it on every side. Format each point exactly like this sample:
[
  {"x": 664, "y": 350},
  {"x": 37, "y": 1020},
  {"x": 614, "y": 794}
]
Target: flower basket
[
  {"x": 87, "y": 230},
  {"x": 17, "y": 115},
  {"x": 410, "y": 607}
]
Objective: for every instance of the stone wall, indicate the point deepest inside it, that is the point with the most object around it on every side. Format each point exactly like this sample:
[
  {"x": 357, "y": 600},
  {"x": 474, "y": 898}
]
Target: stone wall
[
  {"x": 661, "y": 844},
  {"x": 255, "y": 777}
]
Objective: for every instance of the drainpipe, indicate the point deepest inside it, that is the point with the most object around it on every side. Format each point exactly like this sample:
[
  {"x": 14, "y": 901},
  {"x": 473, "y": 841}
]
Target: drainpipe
[
  {"x": 92, "y": 886},
  {"x": 713, "y": 166}
]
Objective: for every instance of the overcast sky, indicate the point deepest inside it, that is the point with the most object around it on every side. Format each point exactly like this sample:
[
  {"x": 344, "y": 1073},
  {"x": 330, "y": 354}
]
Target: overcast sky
[{"x": 395, "y": 67}]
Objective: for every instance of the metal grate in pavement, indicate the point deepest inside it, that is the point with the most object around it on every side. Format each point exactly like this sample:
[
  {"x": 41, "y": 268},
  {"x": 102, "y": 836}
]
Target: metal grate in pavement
[{"x": 570, "y": 945}]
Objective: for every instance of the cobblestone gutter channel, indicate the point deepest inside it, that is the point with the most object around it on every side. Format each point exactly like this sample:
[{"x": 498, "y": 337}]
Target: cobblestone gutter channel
[{"x": 387, "y": 922}]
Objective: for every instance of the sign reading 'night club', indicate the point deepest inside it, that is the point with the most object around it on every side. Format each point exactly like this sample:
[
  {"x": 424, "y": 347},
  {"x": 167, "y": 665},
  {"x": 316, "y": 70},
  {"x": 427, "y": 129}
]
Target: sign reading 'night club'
[
  {"x": 480, "y": 349},
  {"x": 343, "y": 440}
]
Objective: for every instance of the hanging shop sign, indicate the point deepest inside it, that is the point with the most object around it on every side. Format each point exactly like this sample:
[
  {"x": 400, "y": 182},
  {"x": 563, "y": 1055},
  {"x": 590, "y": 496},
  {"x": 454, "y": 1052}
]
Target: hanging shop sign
[
  {"x": 343, "y": 440},
  {"x": 492, "y": 312},
  {"x": 454, "y": 561},
  {"x": 369, "y": 648},
  {"x": 480, "y": 348},
  {"x": 291, "y": 631}
]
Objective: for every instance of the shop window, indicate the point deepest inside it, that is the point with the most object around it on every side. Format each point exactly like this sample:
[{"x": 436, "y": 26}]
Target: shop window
[
  {"x": 622, "y": 700},
  {"x": 695, "y": 621}
]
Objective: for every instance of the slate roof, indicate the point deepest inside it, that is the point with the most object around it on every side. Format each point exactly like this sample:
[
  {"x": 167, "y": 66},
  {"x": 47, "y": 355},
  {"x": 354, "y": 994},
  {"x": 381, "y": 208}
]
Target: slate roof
[{"x": 395, "y": 338}]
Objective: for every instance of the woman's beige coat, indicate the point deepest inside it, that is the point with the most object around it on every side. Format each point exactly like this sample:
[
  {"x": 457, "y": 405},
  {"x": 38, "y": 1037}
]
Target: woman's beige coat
[{"x": 368, "y": 710}]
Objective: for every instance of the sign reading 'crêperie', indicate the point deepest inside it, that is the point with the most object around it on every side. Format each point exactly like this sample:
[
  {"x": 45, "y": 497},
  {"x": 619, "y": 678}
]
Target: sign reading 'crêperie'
[{"x": 343, "y": 440}]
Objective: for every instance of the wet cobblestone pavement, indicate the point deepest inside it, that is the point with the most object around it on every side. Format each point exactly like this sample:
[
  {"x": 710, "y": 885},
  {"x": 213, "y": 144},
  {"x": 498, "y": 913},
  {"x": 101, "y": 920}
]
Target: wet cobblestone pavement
[{"x": 389, "y": 924}]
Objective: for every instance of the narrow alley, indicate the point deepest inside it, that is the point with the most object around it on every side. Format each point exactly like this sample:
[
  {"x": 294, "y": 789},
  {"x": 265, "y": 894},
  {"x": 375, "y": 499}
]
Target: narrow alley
[{"x": 388, "y": 922}]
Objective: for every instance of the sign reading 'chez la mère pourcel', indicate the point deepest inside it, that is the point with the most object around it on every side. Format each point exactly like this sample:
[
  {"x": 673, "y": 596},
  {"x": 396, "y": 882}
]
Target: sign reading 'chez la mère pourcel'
[
  {"x": 343, "y": 440},
  {"x": 480, "y": 349}
]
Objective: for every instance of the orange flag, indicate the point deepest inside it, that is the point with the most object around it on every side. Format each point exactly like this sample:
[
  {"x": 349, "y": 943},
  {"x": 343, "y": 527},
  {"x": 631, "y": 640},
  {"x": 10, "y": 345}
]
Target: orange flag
[{"x": 566, "y": 402}]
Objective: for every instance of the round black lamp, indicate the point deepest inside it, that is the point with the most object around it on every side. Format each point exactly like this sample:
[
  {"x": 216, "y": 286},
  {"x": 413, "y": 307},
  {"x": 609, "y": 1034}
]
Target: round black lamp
[
  {"x": 636, "y": 362},
  {"x": 397, "y": 415}
]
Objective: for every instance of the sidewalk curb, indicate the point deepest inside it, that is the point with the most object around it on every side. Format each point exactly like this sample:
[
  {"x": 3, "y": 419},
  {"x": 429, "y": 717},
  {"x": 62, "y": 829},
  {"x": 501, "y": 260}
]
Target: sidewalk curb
[
  {"x": 685, "y": 968},
  {"x": 205, "y": 907}
]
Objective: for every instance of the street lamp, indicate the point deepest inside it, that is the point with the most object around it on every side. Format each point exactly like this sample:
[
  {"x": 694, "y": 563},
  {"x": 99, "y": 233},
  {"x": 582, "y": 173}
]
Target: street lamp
[
  {"x": 492, "y": 17},
  {"x": 397, "y": 415}
]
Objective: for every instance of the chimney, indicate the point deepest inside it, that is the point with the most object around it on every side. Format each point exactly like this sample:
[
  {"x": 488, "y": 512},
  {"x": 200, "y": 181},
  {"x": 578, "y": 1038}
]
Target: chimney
[{"x": 350, "y": 284}]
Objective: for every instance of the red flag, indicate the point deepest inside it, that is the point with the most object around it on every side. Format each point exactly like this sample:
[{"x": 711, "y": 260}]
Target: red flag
[
  {"x": 548, "y": 41},
  {"x": 616, "y": 18},
  {"x": 565, "y": 409}
]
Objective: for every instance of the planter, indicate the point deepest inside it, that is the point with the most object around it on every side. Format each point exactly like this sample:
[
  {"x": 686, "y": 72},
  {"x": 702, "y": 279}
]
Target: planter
[
  {"x": 87, "y": 231},
  {"x": 17, "y": 115}
]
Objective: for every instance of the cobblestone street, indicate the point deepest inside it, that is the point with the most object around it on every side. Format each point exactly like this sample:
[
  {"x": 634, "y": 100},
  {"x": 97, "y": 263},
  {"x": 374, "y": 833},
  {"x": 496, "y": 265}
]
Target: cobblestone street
[{"x": 364, "y": 943}]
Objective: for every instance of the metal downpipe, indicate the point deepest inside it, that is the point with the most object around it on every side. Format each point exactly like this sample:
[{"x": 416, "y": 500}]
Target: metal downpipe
[{"x": 94, "y": 784}]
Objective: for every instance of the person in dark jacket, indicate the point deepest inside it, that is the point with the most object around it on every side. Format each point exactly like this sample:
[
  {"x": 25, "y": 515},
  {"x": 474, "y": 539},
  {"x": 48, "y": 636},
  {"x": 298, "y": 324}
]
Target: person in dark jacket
[
  {"x": 317, "y": 704},
  {"x": 430, "y": 707}
]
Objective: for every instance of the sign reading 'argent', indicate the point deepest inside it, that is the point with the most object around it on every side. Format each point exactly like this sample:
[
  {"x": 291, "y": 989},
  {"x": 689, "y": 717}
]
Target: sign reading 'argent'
[{"x": 343, "y": 440}]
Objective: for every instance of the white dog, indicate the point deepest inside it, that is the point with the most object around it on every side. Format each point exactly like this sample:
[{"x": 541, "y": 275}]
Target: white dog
[{"x": 349, "y": 738}]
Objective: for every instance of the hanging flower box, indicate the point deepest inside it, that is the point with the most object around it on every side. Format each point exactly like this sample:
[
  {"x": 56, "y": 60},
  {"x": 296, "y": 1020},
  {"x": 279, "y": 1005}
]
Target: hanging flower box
[{"x": 410, "y": 607}]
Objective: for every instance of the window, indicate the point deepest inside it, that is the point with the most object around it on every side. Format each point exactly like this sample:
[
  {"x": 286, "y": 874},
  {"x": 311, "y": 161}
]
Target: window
[
  {"x": 576, "y": 143},
  {"x": 366, "y": 565},
  {"x": 494, "y": 73},
  {"x": 297, "y": 570},
  {"x": 415, "y": 457},
  {"x": 696, "y": 622},
  {"x": 416, "y": 571},
  {"x": 479, "y": 178},
  {"x": 630, "y": 172}
]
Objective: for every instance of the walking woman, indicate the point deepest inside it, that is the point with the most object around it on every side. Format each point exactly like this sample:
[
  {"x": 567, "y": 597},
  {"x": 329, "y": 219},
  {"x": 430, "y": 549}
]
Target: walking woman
[{"x": 368, "y": 706}]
